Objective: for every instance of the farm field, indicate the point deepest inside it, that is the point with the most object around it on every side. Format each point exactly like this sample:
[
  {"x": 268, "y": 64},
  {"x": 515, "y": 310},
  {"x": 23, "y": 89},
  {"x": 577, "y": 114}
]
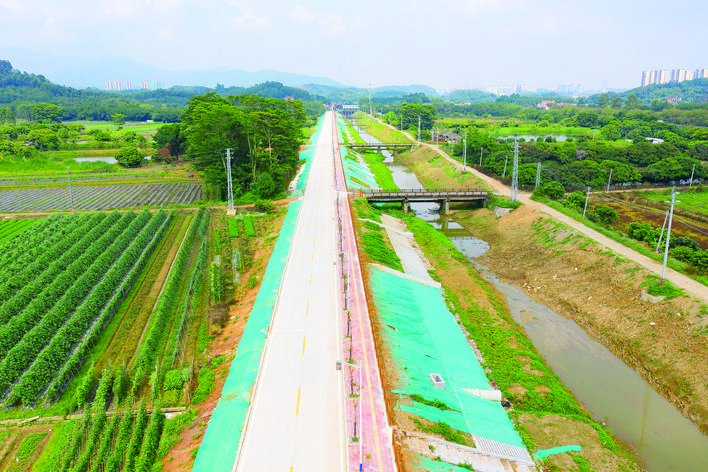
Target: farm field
[
  {"x": 126, "y": 353},
  {"x": 104, "y": 197}
]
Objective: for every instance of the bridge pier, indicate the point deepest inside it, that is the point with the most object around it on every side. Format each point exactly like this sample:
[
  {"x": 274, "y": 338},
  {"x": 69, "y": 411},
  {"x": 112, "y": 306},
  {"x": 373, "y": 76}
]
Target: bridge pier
[
  {"x": 444, "y": 205},
  {"x": 404, "y": 205}
]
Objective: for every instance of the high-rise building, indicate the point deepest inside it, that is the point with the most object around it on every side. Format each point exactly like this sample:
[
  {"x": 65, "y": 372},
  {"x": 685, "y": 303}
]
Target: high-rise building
[{"x": 663, "y": 76}]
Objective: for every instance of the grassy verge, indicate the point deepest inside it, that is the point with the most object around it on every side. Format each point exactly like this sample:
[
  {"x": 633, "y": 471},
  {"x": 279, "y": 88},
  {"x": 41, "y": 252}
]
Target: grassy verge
[
  {"x": 380, "y": 131},
  {"x": 623, "y": 239}
]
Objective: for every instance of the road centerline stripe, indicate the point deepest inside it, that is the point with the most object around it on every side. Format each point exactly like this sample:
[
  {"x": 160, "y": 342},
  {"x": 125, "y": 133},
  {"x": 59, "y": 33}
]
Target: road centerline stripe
[{"x": 297, "y": 407}]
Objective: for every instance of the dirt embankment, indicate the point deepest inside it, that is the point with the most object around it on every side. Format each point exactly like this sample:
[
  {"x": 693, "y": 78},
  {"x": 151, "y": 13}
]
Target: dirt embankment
[{"x": 666, "y": 343}]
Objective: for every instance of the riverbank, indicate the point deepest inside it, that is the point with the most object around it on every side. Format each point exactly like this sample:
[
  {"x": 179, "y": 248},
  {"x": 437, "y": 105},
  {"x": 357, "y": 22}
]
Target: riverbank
[
  {"x": 545, "y": 413},
  {"x": 669, "y": 354}
]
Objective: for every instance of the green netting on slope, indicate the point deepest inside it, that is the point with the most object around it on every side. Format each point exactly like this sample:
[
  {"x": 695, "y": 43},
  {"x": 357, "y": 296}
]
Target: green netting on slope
[
  {"x": 424, "y": 338},
  {"x": 307, "y": 155},
  {"x": 354, "y": 170},
  {"x": 218, "y": 449},
  {"x": 316, "y": 135}
]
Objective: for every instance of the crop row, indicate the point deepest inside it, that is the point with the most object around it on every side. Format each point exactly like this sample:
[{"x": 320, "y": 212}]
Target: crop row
[
  {"x": 72, "y": 308},
  {"x": 100, "y": 197},
  {"x": 169, "y": 300},
  {"x": 18, "y": 252},
  {"x": 11, "y": 228},
  {"x": 28, "y": 282},
  {"x": 126, "y": 441},
  {"x": 93, "y": 334},
  {"x": 55, "y": 306}
]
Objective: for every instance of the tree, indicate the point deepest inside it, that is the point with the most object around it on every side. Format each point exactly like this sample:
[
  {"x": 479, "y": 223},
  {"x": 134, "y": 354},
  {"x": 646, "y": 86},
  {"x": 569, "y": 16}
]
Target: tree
[
  {"x": 129, "y": 157},
  {"x": 5, "y": 68},
  {"x": 265, "y": 186},
  {"x": 172, "y": 138},
  {"x": 616, "y": 102},
  {"x": 554, "y": 190},
  {"x": 46, "y": 112},
  {"x": 633, "y": 101},
  {"x": 604, "y": 214},
  {"x": 603, "y": 100},
  {"x": 118, "y": 120}
]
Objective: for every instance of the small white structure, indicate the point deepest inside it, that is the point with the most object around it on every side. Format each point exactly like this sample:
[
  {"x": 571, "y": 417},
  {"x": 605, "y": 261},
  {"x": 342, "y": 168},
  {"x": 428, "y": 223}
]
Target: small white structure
[{"x": 437, "y": 381}]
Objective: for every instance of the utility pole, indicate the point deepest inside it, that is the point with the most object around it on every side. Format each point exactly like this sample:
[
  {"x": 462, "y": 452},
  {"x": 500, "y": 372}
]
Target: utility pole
[
  {"x": 515, "y": 173},
  {"x": 464, "y": 152},
  {"x": 481, "y": 150},
  {"x": 538, "y": 174},
  {"x": 419, "y": 128},
  {"x": 587, "y": 197},
  {"x": 401, "y": 122},
  {"x": 690, "y": 182},
  {"x": 609, "y": 180},
  {"x": 230, "y": 191},
  {"x": 661, "y": 235},
  {"x": 505, "y": 161},
  {"x": 71, "y": 194},
  {"x": 668, "y": 234}
]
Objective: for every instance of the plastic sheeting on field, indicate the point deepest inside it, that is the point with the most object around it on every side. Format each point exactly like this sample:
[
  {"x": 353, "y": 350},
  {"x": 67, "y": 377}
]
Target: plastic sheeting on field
[
  {"x": 424, "y": 338},
  {"x": 221, "y": 440}
]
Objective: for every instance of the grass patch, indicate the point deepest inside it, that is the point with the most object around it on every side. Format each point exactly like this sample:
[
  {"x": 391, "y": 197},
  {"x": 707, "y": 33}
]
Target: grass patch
[
  {"x": 434, "y": 403},
  {"x": 204, "y": 387},
  {"x": 444, "y": 430}
]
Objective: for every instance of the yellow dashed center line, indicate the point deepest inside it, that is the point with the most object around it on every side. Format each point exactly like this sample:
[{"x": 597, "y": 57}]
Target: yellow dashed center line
[
  {"x": 297, "y": 407},
  {"x": 310, "y": 278},
  {"x": 308, "y": 307},
  {"x": 303, "y": 345}
]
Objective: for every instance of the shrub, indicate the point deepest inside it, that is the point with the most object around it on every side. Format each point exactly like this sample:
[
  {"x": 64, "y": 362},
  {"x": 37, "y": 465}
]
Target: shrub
[
  {"x": 554, "y": 190},
  {"x": 605, "y": 214},
  {"x": 265, "y": 186},
  {"x": 204, "y": 387},
  {"x": 265, "y": 206}
]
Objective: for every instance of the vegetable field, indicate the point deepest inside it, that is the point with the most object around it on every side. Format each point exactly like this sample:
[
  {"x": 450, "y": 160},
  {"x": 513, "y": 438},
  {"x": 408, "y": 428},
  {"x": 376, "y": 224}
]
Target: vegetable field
[
  {"x": 60, "y": 285},
  {"x": 105, "y": 197},
  {"x": 9, "y": 228}
]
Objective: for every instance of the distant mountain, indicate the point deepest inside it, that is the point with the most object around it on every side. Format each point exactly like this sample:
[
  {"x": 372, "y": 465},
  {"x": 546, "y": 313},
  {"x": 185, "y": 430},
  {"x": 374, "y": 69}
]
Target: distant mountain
[
  {"x": 82, "y": 73},
  {"x": 378, "y": 94}
]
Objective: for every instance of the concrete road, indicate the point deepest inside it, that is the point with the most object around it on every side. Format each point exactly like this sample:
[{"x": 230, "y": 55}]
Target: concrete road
[{"x": 295, "y": 422}]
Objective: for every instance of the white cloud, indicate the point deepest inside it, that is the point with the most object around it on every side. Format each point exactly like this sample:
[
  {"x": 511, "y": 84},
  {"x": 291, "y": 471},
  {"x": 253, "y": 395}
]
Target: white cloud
[
  {"x": 302, "y": 15},
  {"x": 331, "y": 25}
]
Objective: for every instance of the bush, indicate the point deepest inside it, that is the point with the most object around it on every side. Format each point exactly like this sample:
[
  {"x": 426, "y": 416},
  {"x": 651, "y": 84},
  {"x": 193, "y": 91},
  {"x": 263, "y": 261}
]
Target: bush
[
  {"x": 204, "y": 387},
  {"x": 554, "y": 190},
  {"x": 129, "y": 157},
  {"x": 174, "y": 379},
  {"x": 265, "y": 206},
  {"x": 604, "y": 214},
  {"x": 265, "y": 186}
]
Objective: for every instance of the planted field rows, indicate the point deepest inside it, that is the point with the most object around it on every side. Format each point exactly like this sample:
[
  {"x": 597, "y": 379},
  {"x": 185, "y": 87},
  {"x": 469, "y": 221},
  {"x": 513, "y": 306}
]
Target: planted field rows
[
  {"x": 100, "y": 197},
  {"x": 59, "y": 289}
]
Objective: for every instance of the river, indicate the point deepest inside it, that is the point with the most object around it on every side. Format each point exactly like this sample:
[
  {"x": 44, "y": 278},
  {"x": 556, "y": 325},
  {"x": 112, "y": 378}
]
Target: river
[{"x": 612, "y": 392}]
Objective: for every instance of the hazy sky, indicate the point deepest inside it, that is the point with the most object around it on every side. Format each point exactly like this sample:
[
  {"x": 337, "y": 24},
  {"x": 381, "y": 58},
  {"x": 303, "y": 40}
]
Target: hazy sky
[{"x": 445, "y": 43}]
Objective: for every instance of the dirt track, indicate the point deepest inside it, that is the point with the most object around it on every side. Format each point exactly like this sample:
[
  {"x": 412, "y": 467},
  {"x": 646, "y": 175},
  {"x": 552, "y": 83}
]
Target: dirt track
[{"x": 695, "y": 289}]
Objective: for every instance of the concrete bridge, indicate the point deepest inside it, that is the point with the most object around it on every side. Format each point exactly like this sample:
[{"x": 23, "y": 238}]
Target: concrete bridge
[
  {"x": 379, "y": 146},
  {"x": 443, "y": 196}
]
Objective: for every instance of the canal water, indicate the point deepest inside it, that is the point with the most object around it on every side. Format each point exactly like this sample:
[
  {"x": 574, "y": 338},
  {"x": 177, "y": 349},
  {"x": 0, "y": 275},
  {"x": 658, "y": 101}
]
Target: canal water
[{"x": 612, "y": 392}]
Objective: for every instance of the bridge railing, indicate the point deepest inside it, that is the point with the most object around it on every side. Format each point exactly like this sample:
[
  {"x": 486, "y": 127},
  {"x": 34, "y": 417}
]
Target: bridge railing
[{"x": 420, "y": 192}]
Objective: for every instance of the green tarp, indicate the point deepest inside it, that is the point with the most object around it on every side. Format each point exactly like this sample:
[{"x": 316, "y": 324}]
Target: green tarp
[{"x": 424, "y": 338}]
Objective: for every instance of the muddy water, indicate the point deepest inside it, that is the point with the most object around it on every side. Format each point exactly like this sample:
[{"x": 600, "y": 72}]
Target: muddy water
[{"x": 608, "y": 388}]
